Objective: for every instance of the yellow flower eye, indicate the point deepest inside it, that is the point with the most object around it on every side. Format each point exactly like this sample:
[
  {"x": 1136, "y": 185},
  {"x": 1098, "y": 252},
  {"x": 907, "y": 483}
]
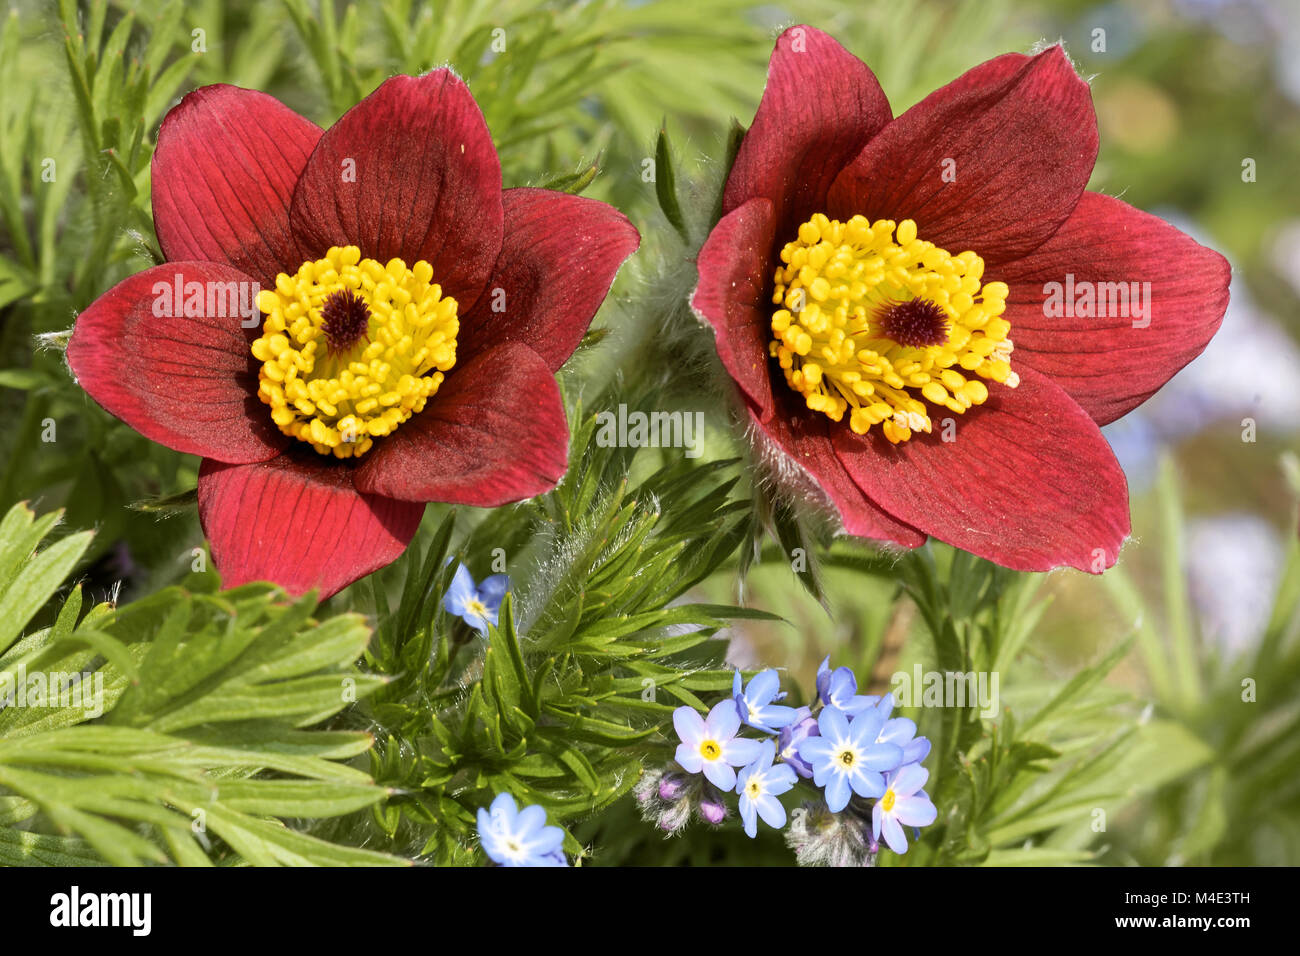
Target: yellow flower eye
[
  {"x": 876, "y": 322},
  {"x": 351, "y": 348}
]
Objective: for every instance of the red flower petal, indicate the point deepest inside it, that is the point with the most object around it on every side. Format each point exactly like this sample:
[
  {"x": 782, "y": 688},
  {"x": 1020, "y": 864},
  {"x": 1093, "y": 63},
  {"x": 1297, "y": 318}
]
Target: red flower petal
[
  {"x": 189, "y": 383},
  {"x": 1028, "y": 482},
  {"x": 224, "y": 171},
  {"x": 410, "y": 172},
  {"x": 735, "y": 265},
  {"x": 297, "y": 520},
  {"x": 494, "y": 433},
  {"x": 1019, "y": 137},
  {"x": 804, "y": 438},
  {"x": 1111, "y": 364},
  {"x": 820, "y": 107},
  {"x": 558, "y": 261}
]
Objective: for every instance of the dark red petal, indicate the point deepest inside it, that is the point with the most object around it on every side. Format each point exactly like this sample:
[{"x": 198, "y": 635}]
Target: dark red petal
[
  {"x": 1109, "y": 364},
  {"x": 820, "y": 107},
  {"x": 1029, "y": 482},
  {"x": 735, "y": 264},
  {"x": 1020, "y": 137},
  {"x": 559, "y": 258},
  {"x": 297, "y": 520},
  {"x": 224, "y": 170},
  {"x": 803, "y": 438},
  {"x": 494, "y": 433},
  {"x": 427, "y": 183},
  {"x": 189, "y": 383}
]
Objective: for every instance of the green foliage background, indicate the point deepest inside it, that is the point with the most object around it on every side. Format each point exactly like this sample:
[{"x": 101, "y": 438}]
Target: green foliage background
[{"x": 241, "y": 727}]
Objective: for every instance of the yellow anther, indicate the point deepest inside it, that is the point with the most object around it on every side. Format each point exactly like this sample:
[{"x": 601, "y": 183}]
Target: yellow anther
[
  {"x": 351, "y": 348},
  {"x": 877, "y": 322}
]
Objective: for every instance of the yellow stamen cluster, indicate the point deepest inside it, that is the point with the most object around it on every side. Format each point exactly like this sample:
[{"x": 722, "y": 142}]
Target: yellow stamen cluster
[
  {"x": 339, "y": 399},
  {"x": 839, "y": 284}
]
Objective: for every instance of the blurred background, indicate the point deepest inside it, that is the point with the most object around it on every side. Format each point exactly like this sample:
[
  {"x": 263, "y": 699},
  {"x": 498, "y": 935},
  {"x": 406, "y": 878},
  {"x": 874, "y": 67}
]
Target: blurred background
[{"x": 1198, "y": 103}]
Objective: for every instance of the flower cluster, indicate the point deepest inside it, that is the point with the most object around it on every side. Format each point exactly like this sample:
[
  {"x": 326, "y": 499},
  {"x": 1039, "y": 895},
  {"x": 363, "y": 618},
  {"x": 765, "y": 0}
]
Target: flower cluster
[{"x": 848, "y": 745}]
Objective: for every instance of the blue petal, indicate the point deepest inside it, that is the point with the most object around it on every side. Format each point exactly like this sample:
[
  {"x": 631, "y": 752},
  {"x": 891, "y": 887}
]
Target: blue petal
[
  {"x": 866, "y": 728},
  {"x": 689, "y": 725},
  {"x": 833, "y": 724},
  {"x": 741, "y": 751},
  {"x": 493, "y": 589},
  {"x": 719, "y": 774},
  {"x": 894, "y": 834},
  {"x": 531, "y": 818},
  {"x": 459, "y": 592},
  {"x": 916, "y": 750},
  {"x": 867, "y": 783},
  {"x": 915, "y": 811},
  {"x": 689, "y": 758},
  {"x": 882, "y": 757},
  {"x": 723, "y": 720},
  {"x": 815, "y": 749},
  {"x": 837, "y": 793},
  {"x": 763, "y": 688},
  {"x": 770, "y": 809},
  {"x": 908, "y": 780},
  {"x": 777, "y": 716}
]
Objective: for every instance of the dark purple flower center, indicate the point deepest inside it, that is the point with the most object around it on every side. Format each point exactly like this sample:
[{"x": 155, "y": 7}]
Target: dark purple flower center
[
  {"x": 345, "y": 320},
  {"x": 917, "y": 322}
]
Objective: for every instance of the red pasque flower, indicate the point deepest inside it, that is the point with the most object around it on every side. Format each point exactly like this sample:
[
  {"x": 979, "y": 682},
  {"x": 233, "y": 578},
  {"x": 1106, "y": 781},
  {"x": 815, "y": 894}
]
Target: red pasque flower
[
  {"x": 932, "y": 317},
  {"x": 350, "y": 323}
]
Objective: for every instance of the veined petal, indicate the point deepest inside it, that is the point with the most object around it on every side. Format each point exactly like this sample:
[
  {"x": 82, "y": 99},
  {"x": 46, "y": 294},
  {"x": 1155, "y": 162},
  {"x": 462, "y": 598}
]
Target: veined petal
[
  {"x": 993, "y": 162},
  {"x": 1111, "y": 262},
  {"x": 187, "y": 382},
  {"x": 410, "y": 172},
  {"x": 803, "y": 439},
  {"x": 735, "y": 266},
  {"x": 1029, "y": 482},
  {"x": 559, "y": 256},
  {"x": 223, "y": 174},
  {"x": 298, "y": 520},
  {"x": 495, "y": 432},
  {"x": 821, "y": 105}
]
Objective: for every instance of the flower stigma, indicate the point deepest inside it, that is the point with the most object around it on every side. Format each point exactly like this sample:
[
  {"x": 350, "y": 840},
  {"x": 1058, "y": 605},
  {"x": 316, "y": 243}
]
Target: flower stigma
[
  {"x": 877, "y": 322},
  {"x": 351, "y": 348}
]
